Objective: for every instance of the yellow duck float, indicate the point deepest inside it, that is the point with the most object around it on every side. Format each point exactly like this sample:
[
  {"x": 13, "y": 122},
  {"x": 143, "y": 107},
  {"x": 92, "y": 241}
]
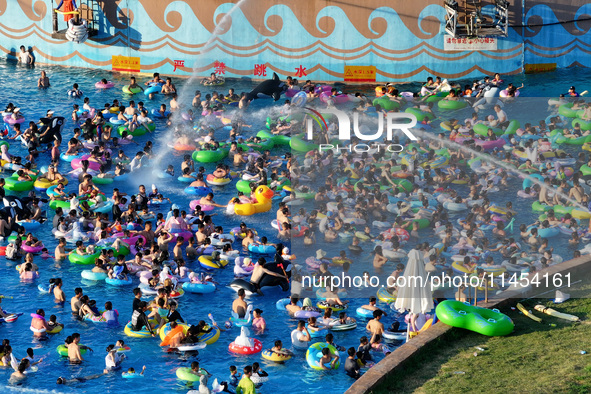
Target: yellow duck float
[{"x": 263, "y": 195}]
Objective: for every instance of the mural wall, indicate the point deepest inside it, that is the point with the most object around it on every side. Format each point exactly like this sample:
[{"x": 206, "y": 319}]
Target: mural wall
[{"x": 315, "y": 39}]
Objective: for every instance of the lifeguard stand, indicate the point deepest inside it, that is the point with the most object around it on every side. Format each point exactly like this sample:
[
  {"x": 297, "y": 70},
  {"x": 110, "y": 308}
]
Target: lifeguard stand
[
  {"x": 88, "y": 10},
  {"x": 465, "y": 19}
]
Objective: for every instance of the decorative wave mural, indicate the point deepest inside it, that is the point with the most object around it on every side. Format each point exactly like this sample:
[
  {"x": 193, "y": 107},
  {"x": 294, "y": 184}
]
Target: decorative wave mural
[
  {"x": 564, "y": 44},
  {"x": 403, "y": 40}
]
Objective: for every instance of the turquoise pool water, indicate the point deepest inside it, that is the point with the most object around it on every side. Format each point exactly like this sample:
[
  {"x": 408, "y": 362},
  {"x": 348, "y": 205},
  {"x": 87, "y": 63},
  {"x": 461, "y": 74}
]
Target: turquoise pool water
[{"x": 295, "y": 375}]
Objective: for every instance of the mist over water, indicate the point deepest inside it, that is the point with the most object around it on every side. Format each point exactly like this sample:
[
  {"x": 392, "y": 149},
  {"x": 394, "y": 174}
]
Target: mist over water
[{"x": 185, "y": 93}]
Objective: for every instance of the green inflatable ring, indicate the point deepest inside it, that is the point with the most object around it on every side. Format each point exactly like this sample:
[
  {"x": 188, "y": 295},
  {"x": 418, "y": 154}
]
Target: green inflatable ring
[
  {"x": 102, "y": 181},
  {"x": 139, "y": 131},
  {"x": 572, "y": 141},
  {"x": 54, "y": 204},
  {"x": 404, "y": 185},
  {"x": 62, "y": 350},
  {"x": 261, "y": 146},
  {"x": 13, "y": 184},
  {"x": 451, "y": 104},
  {"x": 209, "y": 156},
  {"x": 539, "y": 207},
  {"x": 585, "y": 124},
  {"x": 386, "y": 103},
  {"x": 12, "y": 238},
  {"x": 436, "y": 97},
  {"x": 443, "y": 152},
  {"x": 299, "y": 145},
  {"x": 420, "y": 115},
  {"x": 585, "y": 169},
  {"x": 123, "y": 250},
  {"x": 382, "y": 187},
  {"x": 512, "y": 128},
  {"x": 423, "y": 223},
  {"x": 270, "y": 121},
  {"x": 277, "y": 139},
  {"x": 127, "y": 90},
  {"x": 482, "y": 129},
  {"x": 184, "y": 373},
  {"x": 481, "y": 320},
  {"x": 527, "y": 170},
  {"x": 86, "y": 259},
  {"x": 562, "y": 210},
  {"x": 567, "y": 111},
  {"x": 244, "y": 186}
]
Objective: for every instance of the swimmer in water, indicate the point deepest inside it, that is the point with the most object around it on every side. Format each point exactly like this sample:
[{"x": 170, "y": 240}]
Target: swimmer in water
[
  {"x": 81, "y": 379},
  {"x": 20, "y": 373}
]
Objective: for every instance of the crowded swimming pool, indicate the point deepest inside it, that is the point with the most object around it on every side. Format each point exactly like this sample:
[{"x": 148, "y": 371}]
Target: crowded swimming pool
[{"x": 21, "y": 89}]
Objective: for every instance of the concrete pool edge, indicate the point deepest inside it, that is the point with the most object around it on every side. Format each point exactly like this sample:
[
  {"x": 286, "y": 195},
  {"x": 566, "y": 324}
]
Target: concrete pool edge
[{"x": 399, "y": 357}]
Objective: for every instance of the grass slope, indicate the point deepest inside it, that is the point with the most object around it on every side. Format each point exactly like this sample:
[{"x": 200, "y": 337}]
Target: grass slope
[{"x": 536, "y": 357}]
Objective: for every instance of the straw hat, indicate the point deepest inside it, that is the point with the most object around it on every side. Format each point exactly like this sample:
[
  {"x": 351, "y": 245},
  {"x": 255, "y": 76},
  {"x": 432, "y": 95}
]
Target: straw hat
[
  {"x": 404, "y": 208},
  {"x": 320, "y": 254}
]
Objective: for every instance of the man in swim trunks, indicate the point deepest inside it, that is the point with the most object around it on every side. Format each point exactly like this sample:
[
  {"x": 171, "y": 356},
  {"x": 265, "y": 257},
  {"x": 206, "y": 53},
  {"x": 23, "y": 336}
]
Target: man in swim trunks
[
  {"x": 174, "y": 105},
  {"x": 154, "y": 80},
  {"x": 168, "y": 87},
  {"x": 133, "y": 84},
  {"x": 75, "y": 302},
  {"x": 74, "y": 350},
  {"x": 300, "y": 337},
  {"x": 372, "y": 306},
  {"x": 58, "y": 293},
  {"x": 293, "y": 306},
  {"x": 239, "y": 306},
  {"x": 258, "y": 272},
  {"x": 43, "y": 81},
  {"x": 374, "y": 325}
]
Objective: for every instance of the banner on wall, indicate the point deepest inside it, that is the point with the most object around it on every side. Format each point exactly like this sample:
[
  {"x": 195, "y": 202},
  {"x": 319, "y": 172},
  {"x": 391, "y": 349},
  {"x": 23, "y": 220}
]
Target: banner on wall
[
  {"x": 469, "y": 44},
  {"x": 539, "y": 68},
  {"x": 360, "y": 73},
  {"x": 125, "y": 63}
]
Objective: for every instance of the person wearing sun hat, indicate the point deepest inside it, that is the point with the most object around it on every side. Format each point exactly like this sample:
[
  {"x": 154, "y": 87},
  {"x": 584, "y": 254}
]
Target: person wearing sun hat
[{"x": 154, "y": 193}]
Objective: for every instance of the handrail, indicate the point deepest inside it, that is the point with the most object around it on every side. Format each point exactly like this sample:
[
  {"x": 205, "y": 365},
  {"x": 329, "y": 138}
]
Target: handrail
[{"x": 67, "y": 12}]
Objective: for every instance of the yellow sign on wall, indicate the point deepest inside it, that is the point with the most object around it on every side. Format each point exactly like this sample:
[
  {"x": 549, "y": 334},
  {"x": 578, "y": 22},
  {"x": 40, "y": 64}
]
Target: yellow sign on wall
[
  {"x": 360, "y": 73},
  {"x": 125, "y": 63},
  {"x": 539, "y": 68}
]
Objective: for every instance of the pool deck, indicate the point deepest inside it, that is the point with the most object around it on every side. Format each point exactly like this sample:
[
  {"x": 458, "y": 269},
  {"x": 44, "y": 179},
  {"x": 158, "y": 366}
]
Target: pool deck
[{"x": 398, "y": 358}]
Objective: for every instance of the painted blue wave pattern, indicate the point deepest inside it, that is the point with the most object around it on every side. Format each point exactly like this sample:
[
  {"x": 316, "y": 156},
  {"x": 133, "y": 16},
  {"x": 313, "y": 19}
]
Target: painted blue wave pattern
[{"x": 397, "y": 53}]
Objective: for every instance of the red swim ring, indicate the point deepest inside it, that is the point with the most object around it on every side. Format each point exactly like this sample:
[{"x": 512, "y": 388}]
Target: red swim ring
[{"x": 234, "y": 348}]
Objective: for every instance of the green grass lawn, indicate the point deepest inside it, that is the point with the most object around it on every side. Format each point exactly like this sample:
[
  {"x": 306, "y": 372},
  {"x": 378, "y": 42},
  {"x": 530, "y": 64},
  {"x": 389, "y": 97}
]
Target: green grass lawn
[{"x": 536, "y": 357}]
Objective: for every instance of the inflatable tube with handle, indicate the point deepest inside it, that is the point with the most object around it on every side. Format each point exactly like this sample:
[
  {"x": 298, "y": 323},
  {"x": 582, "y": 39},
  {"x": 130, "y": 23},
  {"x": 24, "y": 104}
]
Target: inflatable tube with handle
[{"x": 77, "y": 33}]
